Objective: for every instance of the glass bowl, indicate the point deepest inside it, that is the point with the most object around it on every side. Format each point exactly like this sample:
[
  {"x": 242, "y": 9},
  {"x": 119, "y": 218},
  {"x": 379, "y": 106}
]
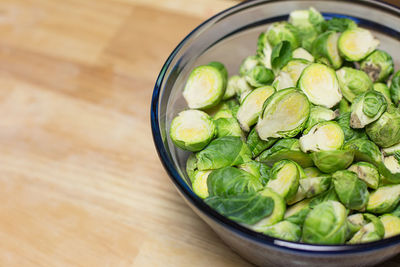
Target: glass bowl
[{"x": 229, "y": 37}]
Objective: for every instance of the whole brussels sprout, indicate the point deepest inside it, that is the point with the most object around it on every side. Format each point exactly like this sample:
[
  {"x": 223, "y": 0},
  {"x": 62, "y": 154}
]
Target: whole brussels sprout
[
  {"x": 378, "y": 65},
  {"x": 259, "y": 76},
  {"x": 326, "y": 224},
  {"x": 320, "y": 84},
  {"x": 301, "y": 53},
  {"x": 334, "y": 160},
  {"x": 192, "y": 130},
  {"x": 366, "y": 172},
  {"x": 284, "y": 230},
  {"x": 319, "y": 114},
  {"x": 222, "y": 152},
  {"x": 352, "y": 192},
  {"x": 323, "y": 136},
  {"x": 367, "y": 108},
  {"x": 283, "y": 31},
  {"x": 395, "y": 88},
  {"x": 283, "y": 81},
  {"x": 284, "y": 114},
  {"x": 383, "y": 89},
  {"x": 349, "y": 133},
  {"x": 264, "y": 50},
  {"x": 391, "y": 224},
  {"x": 259, "y": 170},
  {"x": 284, "y": 179},
  {"x": 297, "y": 213},
  {"x": 257, "y": 145},
  {"x": 248, "y": 64},
  {"x": 288, "y": 148},
  {"x": 325, "y": 49},
  {"x": 370, "y": 232},
  {"x": 384, "y": 199},
  {"x": 199, "y": 183},
  {"x": 357, "y": 43},
  {"x": 385, "y": 131},
  {"x": 353, "y": 82}
]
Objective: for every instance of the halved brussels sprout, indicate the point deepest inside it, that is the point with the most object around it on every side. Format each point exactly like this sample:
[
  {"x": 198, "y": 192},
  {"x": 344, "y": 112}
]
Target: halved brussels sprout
[
  {"x": 301, "y": 53},
  {"x": 325, "y": 136},
  {"x": 366, "y": 172},
  {"x": 354, "y": 223},
  {"x": 277, "y": 213},
  {"x": 370, "y": 232},
  {"x": 222, "y": 69},
  {"x": 231, "y": 87},
  {"x": 298, "y": 212},
  {"x": 344, "y": 106},
  {"x": 383, "y": 89},
  {"x": 353, "y": 82},
  {"x": 319, "y": 114},
  {"x": 378, "y": 65},
  {"x": 251, "y": 106},
  {"x": 395, "y": 88},
  {"x": 388, "y": 151},
  {"x": 264, "y": 50},
  {"x": 357, "y": 43},
  {"x": 284, "y": 180},
  {"x": 295, "y": 67},
  {"x": 392, "y": 164},
  {"x": 334, "y": 160},
  {"x": 284, "y": 114},
  {"x": 391, "y": 224},
  {"x": 385, "y": 131},
  {"x": 257, "y": 145},
  {"x": 320, "y": 84},
  {"x": 283, "y": 31},
  {"x": 286, "y": 149},
  {"x": 384, "y": 199},
  {"x": 228, "y": 127},
  {"x": 192, "y": 130},
  {"x": 259, "y": 170},
  {"x": 326, "y": 224},
  {"x": 259, "y": 76},
  {"x": 284, "y": 230},
  {"x": 248, "y": 64},
  {"x": 204, "y": 87},
  {"x": 199, "y": 183},
  {"x": 367, "y": 108},
  {"x": 352, "y": 192},
  {"x": 230, "y": 181},
  {"x": 312, "y": 186},
  {"x": 325, "y": 49},
  {"x": 191, "y": 167},
  {"x": 283, "y": 81},
  {"x": 222, "y": 152}
]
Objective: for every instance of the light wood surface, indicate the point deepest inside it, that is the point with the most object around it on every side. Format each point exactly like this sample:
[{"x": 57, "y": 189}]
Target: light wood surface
[{"x": 80, "y": 180}]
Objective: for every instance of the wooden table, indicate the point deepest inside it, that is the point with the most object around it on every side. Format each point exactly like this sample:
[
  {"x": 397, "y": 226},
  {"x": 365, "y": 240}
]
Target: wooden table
[{"x": 80, "y": 181}]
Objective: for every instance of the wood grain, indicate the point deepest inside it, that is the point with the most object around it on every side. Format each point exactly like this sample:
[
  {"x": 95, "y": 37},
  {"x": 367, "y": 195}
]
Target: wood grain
[{"x": 80, "y": 181}]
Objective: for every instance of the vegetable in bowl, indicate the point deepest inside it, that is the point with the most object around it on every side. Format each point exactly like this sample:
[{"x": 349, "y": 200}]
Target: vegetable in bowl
[{"x": 303, "y": 142}]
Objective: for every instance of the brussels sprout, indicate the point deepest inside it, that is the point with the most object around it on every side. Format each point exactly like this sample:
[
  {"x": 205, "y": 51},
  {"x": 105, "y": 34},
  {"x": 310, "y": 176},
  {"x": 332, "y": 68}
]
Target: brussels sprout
[
  {"x": 312, "y": 172},
  {"x": 320, "y": 84},
  {"x": 312, "y": 186},
  {"x": 251, "y": 106},
  {"x": 301, "y": 53},
  {"x": 344, "y": 106},
  {"x": 259, "y": 170},
  {"x": 222, "y": 69},
  {"x": 353, "y": 82},
  {"x": 284, "y": 180},
  {"x": 339, "y": 24},
  {"x": 378, "y": 65},
  {"x": 384, "y": 199},
  {"x": 295, "y": 67},
  {"x": 330, "y": 194},
  {"x": 298, "y": 212},
  {"x": 383, "y": 89},
  {"x": 352, "y": 192},
  {"x": 354, "y": 223},
  {"x": 281, "y": 55},
  {"x": 391, "y": 224},
  {"x": 259, "y": 76},
  {"x": 204, "y": 87},
  {"x": 248, "y": 64},
  {"x": 370, "y": 232},
  {"x": 319, "y": 114},
  {"x": 366, "y": 172},
  {"x": 228, "y": 127},
  {"x": 388, "y": 151},
  {"x": 385, "y": 131},
  {"x": 325, "y": 136},
  {"x": 357, "y": 43},
  {"x": 283, "y": 31},
  {"x": 192, "y": 130},
  {"x": 264, "y": 50},
  {"x": 365, "y": 150},
  {"x": 199, "y": 184},
  {"x": 247, "y": 208},
  {"x": 231, "y": 87},
  {"x": 286, "y": 149},
  {"x": 334, "y": 160},
  {"x": 284, "y": 114},
  {"x": 257, "y": 145},
  {"x": 222, "y": 152},
  {"x": 230, "y": 181},
  {"x": 396, "y": 211},
  {"x": 326, "y": 224},
  {"x": 395, "y": 88},
  {"x": 191, "y": 167},
  {"x": 283, "y": 81},
  {"x": 242, "y": 88},
  {"x": 392, "y": 164},
  {"x": 284, "y": 230},
  {"x": 349, "y": 133},
  {"x": 367, "y": 108},
  {"x": 325, "y": 49},
  {"x": 277, "y": 213}
]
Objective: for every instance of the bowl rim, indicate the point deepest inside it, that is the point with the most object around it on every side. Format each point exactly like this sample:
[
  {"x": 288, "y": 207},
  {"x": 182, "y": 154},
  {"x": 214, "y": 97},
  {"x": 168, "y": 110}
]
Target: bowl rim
[{"x": 184, "y": 189}]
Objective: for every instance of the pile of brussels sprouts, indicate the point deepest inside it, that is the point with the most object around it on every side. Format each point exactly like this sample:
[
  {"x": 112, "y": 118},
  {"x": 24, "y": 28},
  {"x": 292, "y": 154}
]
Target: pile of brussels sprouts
[{"x": 304, "y": 144}]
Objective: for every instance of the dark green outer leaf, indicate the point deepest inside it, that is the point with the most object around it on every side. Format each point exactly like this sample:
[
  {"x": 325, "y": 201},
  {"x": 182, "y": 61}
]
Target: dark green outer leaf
[
  {"x": 339, "y": 24},
  {"x": 395, "y": 88}
]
